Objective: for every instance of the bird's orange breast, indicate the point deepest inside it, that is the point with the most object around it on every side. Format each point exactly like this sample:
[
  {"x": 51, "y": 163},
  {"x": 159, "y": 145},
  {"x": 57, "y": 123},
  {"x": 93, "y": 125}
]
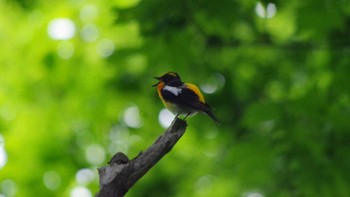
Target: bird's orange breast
[{"x": 160, "y": 86}]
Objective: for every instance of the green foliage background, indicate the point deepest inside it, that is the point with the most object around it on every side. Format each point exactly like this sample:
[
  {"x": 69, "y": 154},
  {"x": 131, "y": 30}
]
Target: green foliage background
[{"x": 281, "y": 91}]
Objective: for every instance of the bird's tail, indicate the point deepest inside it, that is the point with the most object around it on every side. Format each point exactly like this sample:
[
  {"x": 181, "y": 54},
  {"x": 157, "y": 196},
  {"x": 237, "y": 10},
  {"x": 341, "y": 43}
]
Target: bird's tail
[{"x": 210, "y": 113}]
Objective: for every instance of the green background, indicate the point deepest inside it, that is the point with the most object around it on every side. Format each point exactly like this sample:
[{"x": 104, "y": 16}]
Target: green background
[{"x": 277, "y": 74}]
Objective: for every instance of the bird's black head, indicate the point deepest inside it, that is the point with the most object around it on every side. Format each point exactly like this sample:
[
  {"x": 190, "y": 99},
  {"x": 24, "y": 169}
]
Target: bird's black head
[{"x": 169, "y": 78}]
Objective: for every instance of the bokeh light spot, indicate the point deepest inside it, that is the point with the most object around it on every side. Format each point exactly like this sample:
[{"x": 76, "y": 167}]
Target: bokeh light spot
[
  {"x": 253, "y": 194},
  {"x": 165, "y": 118},
  {"x": 213, "y": 83},
  {"x": 89, "y": 33},
  {"x": 119, "y": 136},
  {"x": 88, "y": 13},
  {"x": 211, "y": 134},
  {"x": 65, "y": 50},
  {"x": 95, "y": 154},
  {"x": 132, "y": 117},
  {"x": 6, "y": 113},
  {"x": 80, "y": 192},
  {"x": 3, "y": 155},
  {"x": 61, "y": 29},
  {"x": 105, "y": 48},
  {"x": 209, "y": 88},
  {"x": 85, "y": 176},
  {"x": 9, "y": 187},
  {"x": 203, "y": 185},
  {"x": 52, "y": 180},
  {"x": 265, "y": 12}
]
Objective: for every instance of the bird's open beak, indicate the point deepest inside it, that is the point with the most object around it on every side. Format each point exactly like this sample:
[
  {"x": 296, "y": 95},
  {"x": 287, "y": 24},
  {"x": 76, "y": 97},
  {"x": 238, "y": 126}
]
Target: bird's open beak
[{"x": 158, "y": 78}]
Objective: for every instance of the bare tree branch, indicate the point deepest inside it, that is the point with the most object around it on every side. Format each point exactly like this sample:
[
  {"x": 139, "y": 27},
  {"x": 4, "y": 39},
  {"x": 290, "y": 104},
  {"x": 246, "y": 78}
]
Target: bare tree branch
[{"x": 121, "y": 173}]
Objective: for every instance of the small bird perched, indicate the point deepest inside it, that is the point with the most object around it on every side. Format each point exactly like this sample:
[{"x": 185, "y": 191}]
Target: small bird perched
[{"x": 182, "y": 98}]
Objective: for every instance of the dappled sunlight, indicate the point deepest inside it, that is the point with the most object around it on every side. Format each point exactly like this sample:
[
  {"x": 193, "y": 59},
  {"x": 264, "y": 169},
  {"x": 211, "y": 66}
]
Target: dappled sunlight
[
  {"x": 3, "y": 157},
  {"x": 61, "y": 29},
  {"x": 95, "y": 154},
  {"x": 211, "y": 134},
  {"x": 213, "y": 83},
  {"x": 165, "y": 118},
  {"x": 119, "y": 139},
  {"x": 89, "y": 33},
  {"x": 105, "y": 47},
  {"x": 267, "y": 12},
  {"x": 132, "y": 117},
  {"x": 80, "y": 192},
  {"x": 65, "y": 49},
  {"x": 208, "y": 88},
  {"x": 85, "y": 176},
  {"x": 252, "y": 194},
  {"x": 9, "y": 187},
  {"x": 7, "y": 113},
  {"x": 52, "y": 180},
  {"x": 88, "y": 13},
  {"x": 75, "y": 89},
  {"x": 210, "y": 153},
  {"x": 3, "y": 154},
  {"x": 203, "y": 185}
]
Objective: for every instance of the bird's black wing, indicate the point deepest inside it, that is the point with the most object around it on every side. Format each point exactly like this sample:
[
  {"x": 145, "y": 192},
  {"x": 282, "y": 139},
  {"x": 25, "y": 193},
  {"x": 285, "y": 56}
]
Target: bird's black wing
[
  {"x": 189, "y": 99},
  {"x": 186, "y": 98}
]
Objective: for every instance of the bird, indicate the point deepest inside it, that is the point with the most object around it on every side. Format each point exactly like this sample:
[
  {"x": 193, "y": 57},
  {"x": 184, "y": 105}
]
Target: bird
[{"x": 182, "y": 98}]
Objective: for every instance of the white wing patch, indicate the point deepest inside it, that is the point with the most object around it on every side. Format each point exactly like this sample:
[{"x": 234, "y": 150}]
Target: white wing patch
[{"x": 176, "y": 91}]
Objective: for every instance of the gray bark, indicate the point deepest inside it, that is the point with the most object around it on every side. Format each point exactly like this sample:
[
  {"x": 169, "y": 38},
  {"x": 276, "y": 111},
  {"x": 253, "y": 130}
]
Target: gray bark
[{"x": 121, "y": 173}]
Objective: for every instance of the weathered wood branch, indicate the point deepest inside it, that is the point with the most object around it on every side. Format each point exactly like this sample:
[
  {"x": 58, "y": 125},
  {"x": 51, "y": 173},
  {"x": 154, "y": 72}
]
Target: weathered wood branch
[{"x": 121, "y": 173}]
